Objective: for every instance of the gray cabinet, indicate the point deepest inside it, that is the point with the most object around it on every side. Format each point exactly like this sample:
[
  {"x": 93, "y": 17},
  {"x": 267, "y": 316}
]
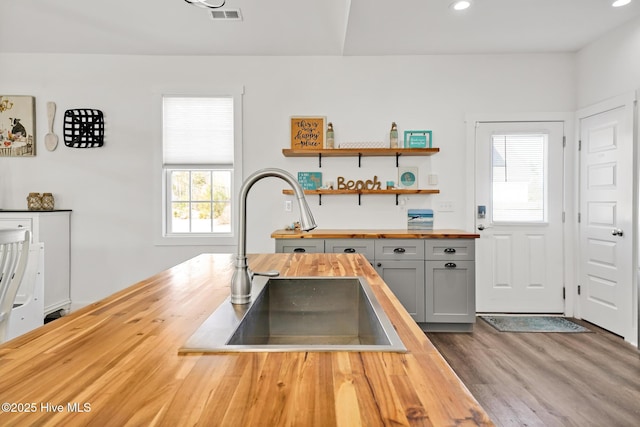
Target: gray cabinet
[
  {"x": 406, "y": 281},
  {"x": 400, "y": 263},
  {"x": 450, "y": 285},
  {"x": 434, "y": 279}
]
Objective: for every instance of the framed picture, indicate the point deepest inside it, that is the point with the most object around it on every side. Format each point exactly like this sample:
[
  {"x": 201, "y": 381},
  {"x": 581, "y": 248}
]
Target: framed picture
[
  {"x": 308, "y": 132},
  {"x": 417, "y": 139},
  {"x": 17, "y": 126},
  {"x": 310, "y": 180},
  {"x": 408, "y": 177}
]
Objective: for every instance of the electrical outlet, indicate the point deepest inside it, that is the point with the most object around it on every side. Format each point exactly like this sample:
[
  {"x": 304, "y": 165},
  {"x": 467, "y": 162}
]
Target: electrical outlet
[
  {"x": 446, "y": 206},
  {"x": 287, "y": 205}
]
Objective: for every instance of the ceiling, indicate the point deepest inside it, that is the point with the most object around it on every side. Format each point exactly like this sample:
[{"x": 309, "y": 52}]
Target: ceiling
[{"x": 306, "y": 27}]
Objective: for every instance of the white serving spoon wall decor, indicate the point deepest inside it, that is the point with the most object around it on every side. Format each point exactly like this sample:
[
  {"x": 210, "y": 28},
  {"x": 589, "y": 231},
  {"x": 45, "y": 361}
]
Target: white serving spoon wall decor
[{"x": 51, "y": 139}]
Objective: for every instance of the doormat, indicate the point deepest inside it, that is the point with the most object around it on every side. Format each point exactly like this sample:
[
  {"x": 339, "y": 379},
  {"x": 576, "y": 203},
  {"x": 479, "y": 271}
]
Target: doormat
[{"x": 533, "y": 324}]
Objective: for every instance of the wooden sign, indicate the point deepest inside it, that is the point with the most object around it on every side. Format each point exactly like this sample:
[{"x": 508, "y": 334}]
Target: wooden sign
[
  {"x": 359, "y": 185},
  {"x": 308, "y": 133}
]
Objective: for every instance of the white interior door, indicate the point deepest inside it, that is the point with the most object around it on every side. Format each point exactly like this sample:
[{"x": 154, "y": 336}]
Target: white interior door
[
  {"x": 519, "y": 195},
  {"x": 606, "y": 215}
]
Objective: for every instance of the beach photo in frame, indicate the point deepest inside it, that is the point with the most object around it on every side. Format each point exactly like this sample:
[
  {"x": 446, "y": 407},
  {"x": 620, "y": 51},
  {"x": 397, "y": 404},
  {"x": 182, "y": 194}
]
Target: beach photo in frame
[
  {"x": 308, "y": 132},
  {"x": 408, "y": 177},
  {"x": 17, "y": 126}
]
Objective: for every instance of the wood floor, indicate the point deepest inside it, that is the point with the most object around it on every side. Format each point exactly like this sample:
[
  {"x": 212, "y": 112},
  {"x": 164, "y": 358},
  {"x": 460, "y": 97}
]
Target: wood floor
[{"x": 547, "y": 379}]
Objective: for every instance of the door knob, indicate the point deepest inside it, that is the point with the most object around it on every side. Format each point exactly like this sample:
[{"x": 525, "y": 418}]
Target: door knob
[
  {"x": 617, "y": 232},
  {"x": 482, "y": 227}
]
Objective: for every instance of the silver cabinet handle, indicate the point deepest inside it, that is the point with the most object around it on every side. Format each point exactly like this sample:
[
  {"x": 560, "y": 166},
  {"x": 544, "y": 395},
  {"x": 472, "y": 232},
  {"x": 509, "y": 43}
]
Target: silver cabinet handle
[{"x": 617, "y": 232}]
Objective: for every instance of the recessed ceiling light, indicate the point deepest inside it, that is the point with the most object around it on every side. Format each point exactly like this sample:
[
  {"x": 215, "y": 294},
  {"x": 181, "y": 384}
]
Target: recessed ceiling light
[
  {"x": 461, "y": 5},
  {"x": 618, "y": 3}
]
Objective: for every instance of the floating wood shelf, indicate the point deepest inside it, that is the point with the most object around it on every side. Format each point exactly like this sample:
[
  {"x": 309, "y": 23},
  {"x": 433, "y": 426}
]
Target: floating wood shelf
[
  {"x": 396, "y": 191},
  {"x": 359, "y": 152}
]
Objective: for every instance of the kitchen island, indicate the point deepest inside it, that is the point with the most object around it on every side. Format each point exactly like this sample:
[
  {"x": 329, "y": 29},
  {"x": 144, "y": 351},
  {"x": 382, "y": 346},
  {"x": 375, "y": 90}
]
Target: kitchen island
[{"x": 116, "y": 362}]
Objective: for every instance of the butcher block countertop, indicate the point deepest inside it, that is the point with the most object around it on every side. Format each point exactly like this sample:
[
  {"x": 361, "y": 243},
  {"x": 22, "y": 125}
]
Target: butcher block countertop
[
  {"x": 116, "y": 362},
  {"x": 373, "y": 234}
]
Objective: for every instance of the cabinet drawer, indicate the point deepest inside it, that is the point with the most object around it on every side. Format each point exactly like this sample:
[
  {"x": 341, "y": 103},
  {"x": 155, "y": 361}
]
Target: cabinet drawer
[
  {"x": 299, "y": 245},
  {"x": 450, "y": 249},
  {"x": 350, "y": 246},
  {"x": 16, "y": 223},
  {"x": 399, "y": 249}
]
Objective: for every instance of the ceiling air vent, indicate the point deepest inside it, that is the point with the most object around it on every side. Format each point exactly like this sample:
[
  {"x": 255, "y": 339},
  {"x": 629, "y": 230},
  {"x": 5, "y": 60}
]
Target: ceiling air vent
[{"x": 226, "y": 15}]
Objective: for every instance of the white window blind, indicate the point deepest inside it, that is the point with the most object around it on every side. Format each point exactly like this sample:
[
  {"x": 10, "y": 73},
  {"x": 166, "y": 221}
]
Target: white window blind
[
  {"x": 519, "y": 175},
  {"x": 198, "y": 130}
]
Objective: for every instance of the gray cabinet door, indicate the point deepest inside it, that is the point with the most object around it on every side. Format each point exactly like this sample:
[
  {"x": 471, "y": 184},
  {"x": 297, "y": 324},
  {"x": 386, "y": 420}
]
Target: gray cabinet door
[
  {"x": 406, "y": 281},
  {"x": 299, "y": 245},
  {"x": 450, "y": 288}
]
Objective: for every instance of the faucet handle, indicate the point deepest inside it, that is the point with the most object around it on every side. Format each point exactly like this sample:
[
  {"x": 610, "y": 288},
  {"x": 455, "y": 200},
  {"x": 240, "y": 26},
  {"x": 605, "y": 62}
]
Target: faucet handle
[{"x": 270, "y": 273}]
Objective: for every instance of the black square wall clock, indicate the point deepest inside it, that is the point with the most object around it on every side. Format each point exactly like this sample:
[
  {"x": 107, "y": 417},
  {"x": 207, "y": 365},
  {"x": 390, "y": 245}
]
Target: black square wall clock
[{"x": 83, "y": 128}]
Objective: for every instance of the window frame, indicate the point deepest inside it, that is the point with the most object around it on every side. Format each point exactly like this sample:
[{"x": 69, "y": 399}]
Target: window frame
[
  {"x": 169, "y": 199},
  {"x": 163, "y": 236}
]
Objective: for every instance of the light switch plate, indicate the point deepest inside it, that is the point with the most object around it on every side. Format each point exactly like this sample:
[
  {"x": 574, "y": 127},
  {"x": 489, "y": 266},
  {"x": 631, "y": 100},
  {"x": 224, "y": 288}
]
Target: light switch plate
[{"x": 446, "y": 206}]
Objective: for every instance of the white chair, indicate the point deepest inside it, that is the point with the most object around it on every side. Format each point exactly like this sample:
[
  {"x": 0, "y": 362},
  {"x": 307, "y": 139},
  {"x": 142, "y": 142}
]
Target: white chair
[
  {"x": 14, "y": 254},
  {"x": 28, "y": 307}
]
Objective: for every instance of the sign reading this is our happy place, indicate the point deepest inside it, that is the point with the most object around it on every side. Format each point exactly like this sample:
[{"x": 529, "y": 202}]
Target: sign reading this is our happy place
[{"x": 307, "y": 133}]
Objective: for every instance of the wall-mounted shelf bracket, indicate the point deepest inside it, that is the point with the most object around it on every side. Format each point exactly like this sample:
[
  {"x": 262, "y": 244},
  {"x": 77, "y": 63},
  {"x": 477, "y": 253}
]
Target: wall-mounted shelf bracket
[
  {"x": 359, "y": 159},
  {"x": 397, "y": 164},
  {"x": 319, "y": 160}
]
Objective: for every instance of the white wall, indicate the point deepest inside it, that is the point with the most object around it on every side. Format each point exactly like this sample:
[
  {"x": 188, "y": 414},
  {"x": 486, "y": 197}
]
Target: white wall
[
  {"x": 610, "y": 66},
  {"x": 110, "y": 189}
]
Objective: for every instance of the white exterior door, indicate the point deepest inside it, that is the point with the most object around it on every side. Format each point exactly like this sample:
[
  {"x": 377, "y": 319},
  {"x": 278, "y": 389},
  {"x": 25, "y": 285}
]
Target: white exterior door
[
  {"x": 519, "y": 204},
  {"x": 606, "y": 217}
]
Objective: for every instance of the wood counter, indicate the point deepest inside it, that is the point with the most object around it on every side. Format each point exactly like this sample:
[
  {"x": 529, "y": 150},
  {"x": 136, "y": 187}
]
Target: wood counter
[
  {"x": 116, "y": 362},
  {"x": 374, "y": 234}
]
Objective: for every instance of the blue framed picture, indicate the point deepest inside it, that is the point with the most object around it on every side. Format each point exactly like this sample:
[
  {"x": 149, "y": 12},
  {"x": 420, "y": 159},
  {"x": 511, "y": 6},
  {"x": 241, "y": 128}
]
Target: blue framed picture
[
  {"x": 310, "y": 180},
  {"x": 417, "y": 139},
  {"x": 408, "y": 177}
]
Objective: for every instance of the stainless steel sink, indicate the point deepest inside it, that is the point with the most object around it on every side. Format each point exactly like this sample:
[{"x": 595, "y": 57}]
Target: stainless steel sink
[{"x": 300, "y": 314}]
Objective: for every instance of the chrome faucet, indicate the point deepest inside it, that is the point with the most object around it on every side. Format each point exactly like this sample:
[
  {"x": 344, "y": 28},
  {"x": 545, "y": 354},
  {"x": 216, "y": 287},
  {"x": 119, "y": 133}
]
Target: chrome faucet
[{"x": 242, "y": 276}]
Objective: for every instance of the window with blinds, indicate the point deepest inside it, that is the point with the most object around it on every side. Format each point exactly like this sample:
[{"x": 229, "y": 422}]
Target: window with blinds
[
  {"x": 198, "y": 163},
  {"x": 519, "y": 165}
]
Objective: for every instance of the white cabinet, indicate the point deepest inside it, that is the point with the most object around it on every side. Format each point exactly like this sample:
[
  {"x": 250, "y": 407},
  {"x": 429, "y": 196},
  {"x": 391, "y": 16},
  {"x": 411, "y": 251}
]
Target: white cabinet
[{"x": 53, "y": 229}]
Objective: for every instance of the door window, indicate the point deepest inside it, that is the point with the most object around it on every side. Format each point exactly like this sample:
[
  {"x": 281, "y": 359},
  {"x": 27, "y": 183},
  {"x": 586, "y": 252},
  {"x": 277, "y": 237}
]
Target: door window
[{"x": 519, "y": 184}]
